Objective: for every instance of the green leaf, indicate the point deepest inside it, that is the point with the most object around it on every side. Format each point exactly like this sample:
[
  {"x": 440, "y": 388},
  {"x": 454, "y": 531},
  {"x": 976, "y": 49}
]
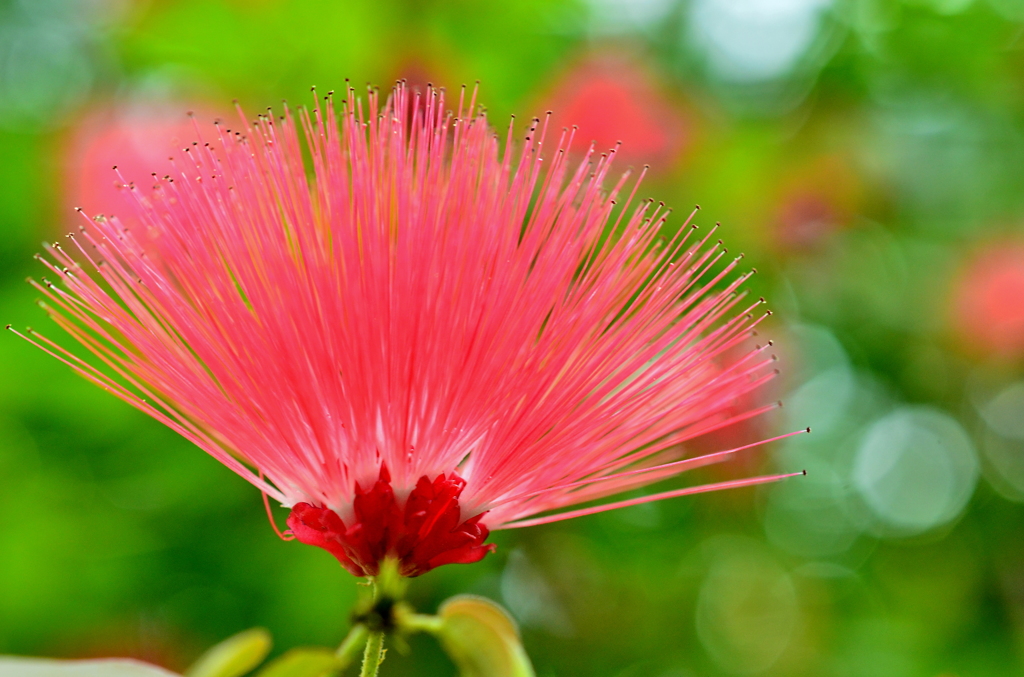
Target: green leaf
[
  {"x": 233, "y": 657},
  {"x": 311, "y": 662},
  {"x": 482, "y": 639},
  {"x": 15, "y": 666}
]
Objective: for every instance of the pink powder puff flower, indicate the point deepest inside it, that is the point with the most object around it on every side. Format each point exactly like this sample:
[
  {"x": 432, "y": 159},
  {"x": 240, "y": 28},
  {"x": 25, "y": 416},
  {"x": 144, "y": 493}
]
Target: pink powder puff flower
[{"x": 408, "y": 335}]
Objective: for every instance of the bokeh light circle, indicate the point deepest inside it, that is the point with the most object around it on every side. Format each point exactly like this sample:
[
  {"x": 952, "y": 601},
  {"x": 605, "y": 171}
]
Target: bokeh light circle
[
  {"x": 755, "y": 40},
  {"x": 45, "y": 71},
  {"x": 809, "y": 518},
  {"x": 747, "y": 607},
  {"x": 916, "y": 469},
  {"x": 1003, "y": 441},
  {"x": 1004, "y": 413}
]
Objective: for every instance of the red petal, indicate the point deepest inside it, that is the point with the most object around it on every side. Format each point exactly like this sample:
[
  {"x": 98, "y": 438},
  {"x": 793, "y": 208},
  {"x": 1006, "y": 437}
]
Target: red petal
[{"x": 425, "y": 533}]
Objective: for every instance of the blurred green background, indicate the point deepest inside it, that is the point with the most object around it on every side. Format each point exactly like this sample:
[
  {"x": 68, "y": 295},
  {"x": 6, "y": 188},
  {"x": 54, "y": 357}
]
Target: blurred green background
[{"x": 868, "y": 157}]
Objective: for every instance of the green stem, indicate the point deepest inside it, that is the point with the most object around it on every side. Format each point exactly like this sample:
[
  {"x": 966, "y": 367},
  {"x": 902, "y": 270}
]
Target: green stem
[
  {"x": 350, "y": 647},
  {"x": 373, "y": 655},
  {"x": 413, "y": 622}
]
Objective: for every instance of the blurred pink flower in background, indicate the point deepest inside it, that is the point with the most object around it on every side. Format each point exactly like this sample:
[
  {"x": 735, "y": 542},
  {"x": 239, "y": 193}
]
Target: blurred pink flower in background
[
  {"x": 426, "y": 338},
  {"x": 615, "y": 97},
  {"x": 137, "y": 136},
  {"x": 987, "y": 308}
]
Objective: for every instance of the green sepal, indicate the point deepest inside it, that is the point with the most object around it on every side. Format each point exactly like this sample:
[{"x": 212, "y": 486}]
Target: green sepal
[
  {"x": 233, "y": 657},
  {"x": 306, "y": 662},
  {"x": 482, "y": 639}
]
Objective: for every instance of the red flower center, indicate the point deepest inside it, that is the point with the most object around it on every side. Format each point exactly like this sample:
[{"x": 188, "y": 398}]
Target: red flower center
[{"x": 426, "y": 532}]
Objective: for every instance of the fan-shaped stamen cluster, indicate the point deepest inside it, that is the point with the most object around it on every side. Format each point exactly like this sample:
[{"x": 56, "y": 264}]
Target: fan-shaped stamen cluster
[{"x": 425, "y": 300}]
